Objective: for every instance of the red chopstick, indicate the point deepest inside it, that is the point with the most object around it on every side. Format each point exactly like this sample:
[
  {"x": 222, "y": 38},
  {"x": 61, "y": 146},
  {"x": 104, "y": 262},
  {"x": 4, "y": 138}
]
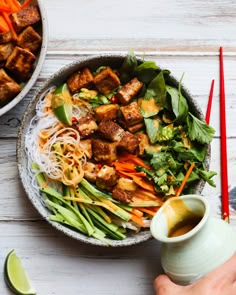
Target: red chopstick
[
  {"x": 208, "y": 112},
  {"x": 224, "y": 168}
]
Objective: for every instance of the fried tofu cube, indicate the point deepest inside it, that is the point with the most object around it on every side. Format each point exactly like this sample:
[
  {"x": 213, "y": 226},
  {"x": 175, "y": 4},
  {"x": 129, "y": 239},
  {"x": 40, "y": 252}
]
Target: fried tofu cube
[
  {"x": 25, "y": 17},
  {"x": 135, "y": 128},
  {"x": 29, "y": 39},
  {"x": 129, "y": 91},
  {"x": 106, "y": 81},
  {"x": 124, "y": 196},
  {"x": 5, "y": 51},
  {"x": 81, "y": 79},
  {"x": 106, "y": 112},
  {"x": 86, "y": 125},
  {"x": 128, "y": 142},
  {"x": 110, "y": 130},
  {"x": 143, "y": 143},
  {"x": 90, "y": 171},
  {"x": 8, "y": 87},
  {"x": 20, "y": 63},
  {"x": 131, "y": 114},
  {"x": 106, "y": 178},
  {"x": 5, "y": 37},
  {"x": 86, "y": 145},
  {"x": 104, "y": 151}
]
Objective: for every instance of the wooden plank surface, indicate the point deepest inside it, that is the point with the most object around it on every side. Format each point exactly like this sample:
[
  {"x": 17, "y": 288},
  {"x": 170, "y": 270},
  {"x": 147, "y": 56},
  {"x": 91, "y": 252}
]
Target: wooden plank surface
[{"x": 183, "y": 36}]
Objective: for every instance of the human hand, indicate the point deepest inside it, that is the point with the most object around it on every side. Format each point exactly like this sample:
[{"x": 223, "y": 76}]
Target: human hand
[{"x": 220, "y": 281}]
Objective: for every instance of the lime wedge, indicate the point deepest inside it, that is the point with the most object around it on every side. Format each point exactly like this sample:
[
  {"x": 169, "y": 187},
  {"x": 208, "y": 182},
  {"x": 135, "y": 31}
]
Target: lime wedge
[
  {"x": 62, "y": 104},
  {"x": 16, "y": 277}
]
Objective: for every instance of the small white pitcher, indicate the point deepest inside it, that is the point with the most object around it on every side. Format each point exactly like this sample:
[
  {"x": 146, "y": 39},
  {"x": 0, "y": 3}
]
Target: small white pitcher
[{"x": 187, "y": 257}]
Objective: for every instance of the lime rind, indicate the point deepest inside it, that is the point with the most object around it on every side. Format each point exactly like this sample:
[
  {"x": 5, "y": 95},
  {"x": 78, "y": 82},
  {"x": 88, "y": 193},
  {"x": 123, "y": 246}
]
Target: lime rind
[{"x": 16, "y": 277}]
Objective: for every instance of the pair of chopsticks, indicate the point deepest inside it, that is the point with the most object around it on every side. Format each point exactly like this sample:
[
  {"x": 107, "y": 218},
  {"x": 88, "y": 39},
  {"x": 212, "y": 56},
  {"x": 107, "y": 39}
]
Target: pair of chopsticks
[{"x": 223, "y": 140}]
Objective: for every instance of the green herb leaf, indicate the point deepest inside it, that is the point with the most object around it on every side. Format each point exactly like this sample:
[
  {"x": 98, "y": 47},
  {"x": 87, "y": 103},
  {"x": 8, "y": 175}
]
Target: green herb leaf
[
  {"x": 128, "y": 67},
  {"x": 157, "y": 90},
  {"x": 179, "y": 104},
  {"x": 199, "y": 130},
  {"x": 146, "y": 71}
]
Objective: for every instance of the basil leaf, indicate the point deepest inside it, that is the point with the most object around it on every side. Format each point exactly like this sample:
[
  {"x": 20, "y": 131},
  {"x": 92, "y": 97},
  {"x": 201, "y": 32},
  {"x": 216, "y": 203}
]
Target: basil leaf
[
  {"x": 128, "y": 67},
  {"x": 157, "y": 90},
  {"x": 179, "y": 104}
]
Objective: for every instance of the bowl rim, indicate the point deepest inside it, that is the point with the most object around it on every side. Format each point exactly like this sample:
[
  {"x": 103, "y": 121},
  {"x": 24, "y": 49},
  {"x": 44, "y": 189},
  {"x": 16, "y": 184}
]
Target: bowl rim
[
  {"x": 144, "y": 235},
  {"x": 30, "y": 83}
]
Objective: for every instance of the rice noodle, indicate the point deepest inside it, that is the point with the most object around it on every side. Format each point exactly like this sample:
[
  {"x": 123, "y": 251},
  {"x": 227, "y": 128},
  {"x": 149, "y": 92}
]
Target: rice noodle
[{"x": 54, "y": 147}]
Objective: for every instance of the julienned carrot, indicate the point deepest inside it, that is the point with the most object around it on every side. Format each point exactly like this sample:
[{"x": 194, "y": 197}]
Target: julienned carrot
[
  {"x": 185, "y": 179},
  {"x": 7, "y": 19},
  {"x": 134, "y": 159},
  {"x": 124, "y": 166},
  {"x": 137, "y": 220},
  {"x": 137, "y": 212},
  {"x": 133, "y": 174},
  {"x": 14, "y": 7},
  {"x": 4, "y": 7},
  {"x": 25, "y": 4},
  {"x": 3, "y": 24},
  {"x": 150, "y": 212},
  {"x": 143, "y": 183},
  {"x": 16, "y": 3}
]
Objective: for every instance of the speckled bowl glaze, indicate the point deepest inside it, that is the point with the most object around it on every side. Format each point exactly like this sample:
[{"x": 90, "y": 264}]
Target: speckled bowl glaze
[
  {"x": 58, "y": 78},
  {"x": 39, "y": 62}
]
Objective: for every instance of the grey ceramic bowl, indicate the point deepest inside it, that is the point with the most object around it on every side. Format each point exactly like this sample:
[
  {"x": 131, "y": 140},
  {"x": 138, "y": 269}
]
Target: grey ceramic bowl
[
  {"x": 57, "y": 79},
  {"x": 38, "y": 65}
]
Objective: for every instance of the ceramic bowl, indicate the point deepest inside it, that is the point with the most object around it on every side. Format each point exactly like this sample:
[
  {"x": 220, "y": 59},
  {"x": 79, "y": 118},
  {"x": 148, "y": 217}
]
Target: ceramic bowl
[
  {"x": 57, "y": 79},
  {"x": 39, "y": 62}
]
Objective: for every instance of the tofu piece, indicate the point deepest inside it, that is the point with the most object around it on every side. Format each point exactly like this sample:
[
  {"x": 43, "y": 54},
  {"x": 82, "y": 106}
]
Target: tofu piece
[
  {"x": 110, "y": 130},
  {"x": 5, "y": 51},
  {"x": 29, "y": 39},
  {"x": 20, "y": 63},
  {"x": 135, "y": 128},
  {"x": 5, "y": 37},
  {"x": 86, "y": 145},
  {"x": 124, "y": 196},
  {"x": 143, "y": 142},
  {"x": 106, "y": 81},
  {"x": 131, "y": 114},
  {"x": 106, "y": 112},
  {"x": 8, "y": 88},
  {"x": 104, "y": 151},
  {"x": 126, "y": 184},
  {"x": 25, "y": 17},
  {"x": 86, "y": 125},
  {"x": 128, "y": 142},
  {"x": 129, "y": 91},
  {"x": 90, "y": 171},
  {"x": 81, "y": 79},
  {"x": 106, "y": 178}
]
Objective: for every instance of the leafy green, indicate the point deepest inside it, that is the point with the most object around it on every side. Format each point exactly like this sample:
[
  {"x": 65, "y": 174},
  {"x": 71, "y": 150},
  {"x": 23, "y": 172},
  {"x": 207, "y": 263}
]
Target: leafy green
[
  {"x": 179, "y": 104},
  {"x": 199, "y": 130},
  {"x": 157, "y": 90},
  {"x": 153, "y": 127},
  {"x": 146, "y": 71},
  {"x": 195, "y": 152},
  {"x": 207, "y": 176},
  {"x": 128, "y": 67}
]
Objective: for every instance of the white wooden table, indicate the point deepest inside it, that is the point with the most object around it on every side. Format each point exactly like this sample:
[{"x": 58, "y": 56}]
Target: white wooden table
[{"x": 181, "y": 35}]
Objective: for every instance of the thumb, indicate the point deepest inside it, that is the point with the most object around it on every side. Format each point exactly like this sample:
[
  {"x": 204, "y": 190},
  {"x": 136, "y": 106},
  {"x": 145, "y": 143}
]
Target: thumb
[{"x": 164, "y": 286}]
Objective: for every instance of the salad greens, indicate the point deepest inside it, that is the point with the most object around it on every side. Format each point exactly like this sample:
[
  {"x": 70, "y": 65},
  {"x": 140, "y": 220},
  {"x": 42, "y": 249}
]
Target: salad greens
[{"x": 176, "y": 142}]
